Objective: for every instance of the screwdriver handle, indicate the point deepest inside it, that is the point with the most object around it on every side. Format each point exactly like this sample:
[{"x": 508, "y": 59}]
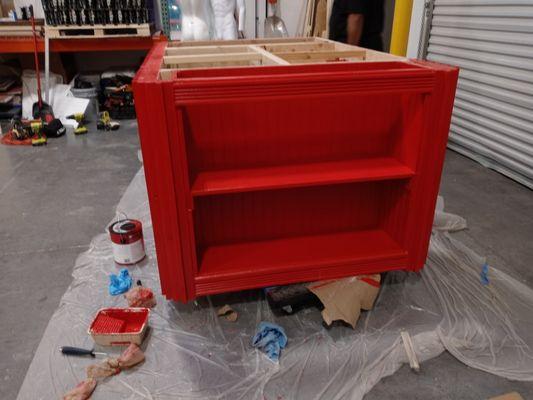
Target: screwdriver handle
[{"x": 76, "y": 351}]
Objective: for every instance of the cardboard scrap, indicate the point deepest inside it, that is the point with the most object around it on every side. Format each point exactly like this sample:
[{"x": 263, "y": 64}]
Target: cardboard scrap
[
  {"x": 343, "y": 299},
  {"x": 227, "y": 312},
  {"x": 508, "y": 396}
]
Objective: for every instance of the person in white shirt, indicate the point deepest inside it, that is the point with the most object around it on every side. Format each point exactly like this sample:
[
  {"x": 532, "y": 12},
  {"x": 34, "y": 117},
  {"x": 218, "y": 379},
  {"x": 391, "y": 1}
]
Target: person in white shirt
[
  {"x": 196, "y": 20},
  {"x": 224, "y": 11}
]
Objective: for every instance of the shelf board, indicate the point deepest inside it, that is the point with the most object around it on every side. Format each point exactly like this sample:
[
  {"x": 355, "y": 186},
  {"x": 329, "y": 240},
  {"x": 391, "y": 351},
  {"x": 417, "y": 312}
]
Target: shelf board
[
  {"x": 243, "y": 180},
  {"x": 246, "y": 265},
  {"x": 24, "y": 44}
]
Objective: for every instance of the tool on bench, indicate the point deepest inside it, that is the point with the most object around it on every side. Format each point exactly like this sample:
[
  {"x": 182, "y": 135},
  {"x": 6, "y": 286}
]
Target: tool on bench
[
  {"x": 78, "y": 351},
  {"x": 80, "y": 119},
  {"x": 19, "y": 131},
  {"x": 41, "y": 110},
  {"x": 38, "y": 138},
  {"x": 24, "y": 132},
  {"x": 106, "y": 123}
]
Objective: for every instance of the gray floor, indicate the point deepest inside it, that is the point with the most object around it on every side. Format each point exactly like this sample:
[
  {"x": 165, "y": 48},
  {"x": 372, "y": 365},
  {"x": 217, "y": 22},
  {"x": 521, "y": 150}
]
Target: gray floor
[{"x": 54, "y": 200}]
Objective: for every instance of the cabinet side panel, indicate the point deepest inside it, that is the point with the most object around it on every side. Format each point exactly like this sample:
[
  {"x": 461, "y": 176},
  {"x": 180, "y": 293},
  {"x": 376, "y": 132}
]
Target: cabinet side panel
[
  {"x": 424, "y": 187},
  {"x": 180, "y": 168},
  {"x": 153, "y": 132}
]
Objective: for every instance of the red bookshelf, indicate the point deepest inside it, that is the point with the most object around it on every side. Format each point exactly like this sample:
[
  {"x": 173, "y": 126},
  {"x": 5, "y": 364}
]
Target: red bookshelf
[{"x": 269, "y": 175}]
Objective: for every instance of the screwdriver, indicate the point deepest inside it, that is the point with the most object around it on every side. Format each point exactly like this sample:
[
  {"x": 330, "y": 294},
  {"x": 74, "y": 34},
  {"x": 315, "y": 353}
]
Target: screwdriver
[{"x": 77, "y": 351}]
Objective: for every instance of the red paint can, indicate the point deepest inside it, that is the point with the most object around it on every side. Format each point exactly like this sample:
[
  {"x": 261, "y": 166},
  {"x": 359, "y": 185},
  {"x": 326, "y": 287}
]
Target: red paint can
[{"x": 127, "y": 240}]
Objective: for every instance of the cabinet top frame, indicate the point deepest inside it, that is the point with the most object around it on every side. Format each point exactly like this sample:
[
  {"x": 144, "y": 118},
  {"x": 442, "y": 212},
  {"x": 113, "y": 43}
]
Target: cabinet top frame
[{"x": 181, "y": 56}]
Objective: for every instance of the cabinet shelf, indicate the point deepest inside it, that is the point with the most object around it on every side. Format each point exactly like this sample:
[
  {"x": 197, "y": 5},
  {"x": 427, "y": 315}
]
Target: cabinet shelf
[
  {"x": 296, "y": 259},
  {"x": 315, "y": 174}
]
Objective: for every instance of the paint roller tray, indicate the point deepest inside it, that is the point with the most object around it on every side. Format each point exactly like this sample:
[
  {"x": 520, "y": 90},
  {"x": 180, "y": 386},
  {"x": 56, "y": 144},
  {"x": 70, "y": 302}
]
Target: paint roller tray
[{"x": 119, "y": 326}]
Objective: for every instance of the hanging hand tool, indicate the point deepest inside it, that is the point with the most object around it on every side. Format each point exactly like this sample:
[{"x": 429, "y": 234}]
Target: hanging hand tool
[
  {"x": 274, "y": 25},
  {"x": 40, "y": 110}
]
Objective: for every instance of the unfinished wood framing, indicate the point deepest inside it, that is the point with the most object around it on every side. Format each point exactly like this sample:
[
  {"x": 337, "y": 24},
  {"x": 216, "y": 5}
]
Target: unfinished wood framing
[
  {"x": 239, "y": 42},
  {"x": 261, "y": 52}
]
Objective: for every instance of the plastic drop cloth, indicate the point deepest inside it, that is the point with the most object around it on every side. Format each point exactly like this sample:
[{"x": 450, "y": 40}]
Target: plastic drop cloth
[{"x": 193, "y": 354}]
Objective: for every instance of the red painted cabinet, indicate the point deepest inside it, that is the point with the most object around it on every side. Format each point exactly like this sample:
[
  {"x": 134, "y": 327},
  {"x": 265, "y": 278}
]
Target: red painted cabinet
[{"x": 268, "y": 175}]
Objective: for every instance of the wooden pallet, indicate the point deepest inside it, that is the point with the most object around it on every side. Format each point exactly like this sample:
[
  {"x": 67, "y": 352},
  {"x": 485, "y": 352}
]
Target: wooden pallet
[
  {"x": 286, "y": 51},
  {"x": 20, "y": 28},
  {"x": 93, "y": 31}
]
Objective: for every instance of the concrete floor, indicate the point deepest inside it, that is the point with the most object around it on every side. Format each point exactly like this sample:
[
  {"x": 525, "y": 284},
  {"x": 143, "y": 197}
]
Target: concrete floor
[{"x": 54, "y": 200}]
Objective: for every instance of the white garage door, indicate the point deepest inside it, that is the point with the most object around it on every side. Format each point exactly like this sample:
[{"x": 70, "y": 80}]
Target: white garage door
[{"x": 492, "y": 42}]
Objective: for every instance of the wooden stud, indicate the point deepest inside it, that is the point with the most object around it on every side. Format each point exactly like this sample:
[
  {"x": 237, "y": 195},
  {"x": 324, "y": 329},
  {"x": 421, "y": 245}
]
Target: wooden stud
[
  {"x": 372, "y": 55},
  {"x": 410, "y": 350},
  {"x": 279, "y": 51},
  {"x": 330, "y": 7},
  {"x": 240, "y": 42},
  {"x": 166, "y": 74},
  {"x": 208, "y": 58},
  {"x": 321, "y": 55},
  {"x": 286, "y": 47},
  {"x": 310, "y": 18},
  {"x": 182, "y": 51},
  {"x": 321, "y": 20}
]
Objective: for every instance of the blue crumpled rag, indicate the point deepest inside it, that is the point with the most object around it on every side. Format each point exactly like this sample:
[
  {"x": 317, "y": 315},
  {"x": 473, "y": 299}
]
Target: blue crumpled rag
[
  {"x": 270, "y": 338},
  {"x": 484, "y": 275},
  {"x": 121, "y": 283}
]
